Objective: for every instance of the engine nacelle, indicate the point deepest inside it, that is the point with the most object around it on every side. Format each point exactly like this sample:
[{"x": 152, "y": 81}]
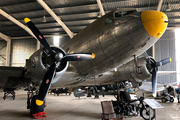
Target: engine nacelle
[
  {"x": 41, "y": 60},
  {"x": 135, "y": 72}
]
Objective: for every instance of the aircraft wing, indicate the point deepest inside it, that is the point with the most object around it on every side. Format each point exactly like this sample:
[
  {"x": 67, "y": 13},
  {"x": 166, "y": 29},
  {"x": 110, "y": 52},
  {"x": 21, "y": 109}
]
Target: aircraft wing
[
  {"x": 165, "y": 72},
  {"x": 10, "y": 76},
  {"x": 147, "y": 86}
]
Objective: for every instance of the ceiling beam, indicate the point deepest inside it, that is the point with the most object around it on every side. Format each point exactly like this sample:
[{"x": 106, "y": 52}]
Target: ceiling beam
[
  {"x": 46, "y": 36},
  {"x": 173, "y": 28},
  {"x": 101, "y": 7},
  {"x": 159, "y": 5},
  {"x": 5, "y": 37},
  {"x": 8, "y": 48},
  {"x": 26, "y": 11},
  {"x": 46, "y": 7},
  {"x": 20, "y": 25},
  {"x": 16, "y": 22}
]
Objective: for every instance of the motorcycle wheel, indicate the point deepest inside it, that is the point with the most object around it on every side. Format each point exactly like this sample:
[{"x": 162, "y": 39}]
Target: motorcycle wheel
[
  {"x": 163, "y": 100},
  {"x": 145, "y": 115},
  {"x": 172, "y": 100}
]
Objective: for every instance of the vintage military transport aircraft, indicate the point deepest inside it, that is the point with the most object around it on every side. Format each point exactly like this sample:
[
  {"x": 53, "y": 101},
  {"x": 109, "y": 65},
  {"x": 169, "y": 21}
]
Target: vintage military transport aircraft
[{"x": 117, "y": 39}]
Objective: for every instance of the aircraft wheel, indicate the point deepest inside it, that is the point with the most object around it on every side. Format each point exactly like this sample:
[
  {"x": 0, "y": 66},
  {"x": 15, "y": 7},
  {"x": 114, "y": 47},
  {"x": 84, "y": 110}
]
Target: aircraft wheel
[{"x": 163, "y": 100}]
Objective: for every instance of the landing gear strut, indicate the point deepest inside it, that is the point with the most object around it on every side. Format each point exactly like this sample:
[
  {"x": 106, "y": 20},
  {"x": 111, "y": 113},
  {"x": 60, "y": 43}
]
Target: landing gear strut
[{"x": 8, "y": 91}]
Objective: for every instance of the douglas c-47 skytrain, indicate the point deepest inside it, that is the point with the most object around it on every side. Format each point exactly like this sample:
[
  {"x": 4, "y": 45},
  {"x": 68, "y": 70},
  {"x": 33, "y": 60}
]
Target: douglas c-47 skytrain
[{"x": 113, "y": 41}]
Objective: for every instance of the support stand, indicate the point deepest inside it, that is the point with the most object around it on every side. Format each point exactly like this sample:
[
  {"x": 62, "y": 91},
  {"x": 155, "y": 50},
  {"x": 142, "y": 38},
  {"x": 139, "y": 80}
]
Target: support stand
[
  {"x": 95, "y": 89},
  {"x": 7, "y": 92},
  {"x": 96, "y": 96},
  {"x": 154, "y": 105}
]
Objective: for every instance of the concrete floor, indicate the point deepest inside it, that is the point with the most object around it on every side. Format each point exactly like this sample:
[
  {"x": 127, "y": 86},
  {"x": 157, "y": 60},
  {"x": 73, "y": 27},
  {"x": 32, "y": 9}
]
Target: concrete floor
[{"x": 70, "y": 108}]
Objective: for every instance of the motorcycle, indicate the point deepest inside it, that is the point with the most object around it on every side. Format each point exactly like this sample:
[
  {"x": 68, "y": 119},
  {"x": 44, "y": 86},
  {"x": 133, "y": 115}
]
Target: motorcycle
[
  {"x": 167, "y": 97},
  {"x": 133, "y": 108}
]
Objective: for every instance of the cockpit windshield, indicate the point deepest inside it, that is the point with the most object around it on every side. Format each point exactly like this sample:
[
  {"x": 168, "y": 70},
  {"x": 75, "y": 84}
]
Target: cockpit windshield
[
  {"x": 122, "y": 13},
  {"x": 118, "y": 13}
]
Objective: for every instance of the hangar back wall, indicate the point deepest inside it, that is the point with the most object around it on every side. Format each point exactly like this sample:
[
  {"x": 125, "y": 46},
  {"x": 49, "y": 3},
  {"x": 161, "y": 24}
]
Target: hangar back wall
[{"x": 165, "y": 48}]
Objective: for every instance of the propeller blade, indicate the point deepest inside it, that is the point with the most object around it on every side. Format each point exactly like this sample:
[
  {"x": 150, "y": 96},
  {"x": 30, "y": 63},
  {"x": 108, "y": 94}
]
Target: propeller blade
[
  {"x": 164, "y": 61},
  {"x": 38, "y": 34},
  {"x": 154, "y": 81},
  {"x": 45, "y": 84},
  {"x": 78, "y": 56}
]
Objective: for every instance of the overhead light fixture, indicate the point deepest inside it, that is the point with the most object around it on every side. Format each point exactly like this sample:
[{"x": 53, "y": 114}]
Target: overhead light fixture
[
  {"x": 44, "y": 17},
  {"x": 168, "y": 7},
  {"x": 99, "y": 15}
]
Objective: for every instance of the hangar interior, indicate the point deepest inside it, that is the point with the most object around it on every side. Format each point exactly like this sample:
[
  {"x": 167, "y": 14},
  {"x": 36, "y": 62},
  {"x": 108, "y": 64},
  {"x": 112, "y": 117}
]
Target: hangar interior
[
  {"x": 62, "y": 19},
  {"x": 17, "y": 44}
]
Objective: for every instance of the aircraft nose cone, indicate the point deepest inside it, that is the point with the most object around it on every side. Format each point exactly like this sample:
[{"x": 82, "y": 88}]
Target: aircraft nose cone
[{"x": 154, "y": 22}]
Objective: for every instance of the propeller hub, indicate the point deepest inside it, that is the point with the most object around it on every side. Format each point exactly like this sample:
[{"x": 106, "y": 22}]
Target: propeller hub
[{"x": 58, "y": 56}]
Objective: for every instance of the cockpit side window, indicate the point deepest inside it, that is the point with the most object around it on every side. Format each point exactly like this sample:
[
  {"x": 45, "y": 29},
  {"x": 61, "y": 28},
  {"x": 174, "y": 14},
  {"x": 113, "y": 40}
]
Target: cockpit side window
[{"x": 109, "y": 19}]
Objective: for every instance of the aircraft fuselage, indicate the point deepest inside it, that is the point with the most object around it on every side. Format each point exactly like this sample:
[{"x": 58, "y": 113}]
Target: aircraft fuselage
[{"x": 114, "y": 43}]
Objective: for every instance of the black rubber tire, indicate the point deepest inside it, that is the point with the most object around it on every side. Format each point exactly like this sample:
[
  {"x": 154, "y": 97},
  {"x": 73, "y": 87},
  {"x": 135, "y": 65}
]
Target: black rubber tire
[
  {"x": 163, "y": 100},
  {"x": 145, "y": 115},
  {"x": 172, "y": 100}
]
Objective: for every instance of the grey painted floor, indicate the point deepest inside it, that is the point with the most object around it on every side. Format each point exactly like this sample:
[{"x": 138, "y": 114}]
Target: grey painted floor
[{"x": 70, "y": 108}]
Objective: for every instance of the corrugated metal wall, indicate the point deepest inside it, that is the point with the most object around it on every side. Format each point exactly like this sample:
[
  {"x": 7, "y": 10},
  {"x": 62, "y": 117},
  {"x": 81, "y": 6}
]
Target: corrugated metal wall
[
  {"x": 21, "y": 50},
  {"x": 3, "y": 44},
  {"x": 165, "y": 48}
]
